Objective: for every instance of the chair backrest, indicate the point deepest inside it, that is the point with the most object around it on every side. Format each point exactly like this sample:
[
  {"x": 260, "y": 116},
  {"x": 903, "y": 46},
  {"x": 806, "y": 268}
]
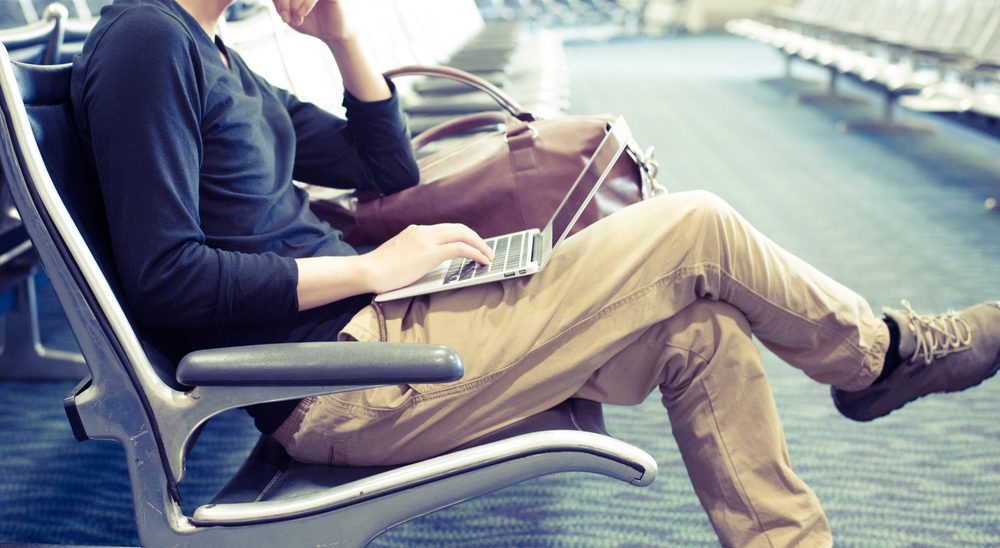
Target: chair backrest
[
  {"x": 39, "y": 106},
  {"x": 944, "y": 31},
  {"x": 882, "y": 17},
  {"x": 46, "y": 99},
  {"x": 976, "y": 25},
  {"x": 987, "y": 49},
  {"x": 45, "y": 95}
]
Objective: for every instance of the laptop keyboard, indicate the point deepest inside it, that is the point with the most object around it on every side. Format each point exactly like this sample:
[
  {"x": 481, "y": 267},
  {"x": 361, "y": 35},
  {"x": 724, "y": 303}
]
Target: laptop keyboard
[{"x": 511, "y": 252}]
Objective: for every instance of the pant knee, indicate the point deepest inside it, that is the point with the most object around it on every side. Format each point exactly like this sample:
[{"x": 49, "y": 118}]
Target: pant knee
[
  {"x": 710, "y": 332},
  {"x": 702, "y": 204}
]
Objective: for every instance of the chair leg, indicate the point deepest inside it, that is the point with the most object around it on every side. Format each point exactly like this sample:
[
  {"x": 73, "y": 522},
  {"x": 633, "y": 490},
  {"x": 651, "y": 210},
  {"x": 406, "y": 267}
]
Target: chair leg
[
  {"x": 831, "y": 96},
  {"x": 789, "y": 82},
  {"x": 888, "y": 123},
  {"x": 24, "y": 357}
]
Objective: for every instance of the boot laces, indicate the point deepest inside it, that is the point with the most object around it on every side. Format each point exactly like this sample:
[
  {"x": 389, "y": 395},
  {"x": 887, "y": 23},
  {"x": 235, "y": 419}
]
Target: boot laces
[{"x": 937, "y": 335}]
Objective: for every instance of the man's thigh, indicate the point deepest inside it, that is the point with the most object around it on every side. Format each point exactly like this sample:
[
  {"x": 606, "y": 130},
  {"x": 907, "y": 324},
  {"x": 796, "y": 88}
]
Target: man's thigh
[
  {"x": 527, "y": 344},
  {"x": 623, "y": 274}
]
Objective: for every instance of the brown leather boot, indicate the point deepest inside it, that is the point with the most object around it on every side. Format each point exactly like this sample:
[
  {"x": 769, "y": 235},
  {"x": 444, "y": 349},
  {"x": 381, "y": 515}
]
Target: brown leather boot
[{"x": 947, "y": 353}]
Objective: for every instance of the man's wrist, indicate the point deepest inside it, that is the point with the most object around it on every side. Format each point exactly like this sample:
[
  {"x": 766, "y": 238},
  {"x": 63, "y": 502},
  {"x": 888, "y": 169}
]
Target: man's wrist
[
  {"x": 359, "y": 78},
  {"x": 367, "y": 272},
  {"x": 341, "y": 43}
]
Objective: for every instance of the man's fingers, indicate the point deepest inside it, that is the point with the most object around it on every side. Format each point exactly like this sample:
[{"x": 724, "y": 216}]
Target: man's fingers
[
  {"x": 299, "y": 9},
  {"x": 462, "y": 249},
  {"x": 455, "y": 232},
  {"x": 452, "y": 240},
  {"x": 282, "y": 7},
  {"x": 294, "y": 12}
]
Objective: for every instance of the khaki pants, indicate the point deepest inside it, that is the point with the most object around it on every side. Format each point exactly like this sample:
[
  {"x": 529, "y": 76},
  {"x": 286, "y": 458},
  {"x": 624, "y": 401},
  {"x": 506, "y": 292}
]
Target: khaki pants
[{"x": 664, "y": 294}]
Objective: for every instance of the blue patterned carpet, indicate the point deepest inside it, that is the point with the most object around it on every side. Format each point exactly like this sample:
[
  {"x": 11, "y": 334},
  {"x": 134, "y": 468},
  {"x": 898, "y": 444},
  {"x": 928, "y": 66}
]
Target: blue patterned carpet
[{"x": 893, "y": 217}]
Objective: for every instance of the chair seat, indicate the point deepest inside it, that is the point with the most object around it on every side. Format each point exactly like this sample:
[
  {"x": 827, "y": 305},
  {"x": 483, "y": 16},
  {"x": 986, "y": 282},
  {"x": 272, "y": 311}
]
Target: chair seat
[
  {"x": 272, "y": 479},
  {"x": 943, "y": 97},
  {"x": 987, "y": 104}
]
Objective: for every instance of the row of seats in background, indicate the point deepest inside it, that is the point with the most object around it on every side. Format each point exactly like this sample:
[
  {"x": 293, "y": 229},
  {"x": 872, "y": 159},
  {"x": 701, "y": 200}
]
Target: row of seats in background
[
  {"x": 44, "y": 31},
  {"x": 935, "y": 56},
  {"x": 590, "y": 19},
  {"x": 15, "y": 13}
]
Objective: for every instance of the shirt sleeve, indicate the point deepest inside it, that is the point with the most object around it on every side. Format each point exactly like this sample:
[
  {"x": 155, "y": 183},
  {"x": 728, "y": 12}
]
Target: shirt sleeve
[
  {"x": 370, "y": 150},
  {"x": 140, "y": 110}
]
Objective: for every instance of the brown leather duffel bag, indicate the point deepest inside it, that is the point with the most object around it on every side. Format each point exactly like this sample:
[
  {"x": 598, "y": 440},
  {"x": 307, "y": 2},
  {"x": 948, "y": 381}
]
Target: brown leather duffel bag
[{"x": 498, "y": 182}]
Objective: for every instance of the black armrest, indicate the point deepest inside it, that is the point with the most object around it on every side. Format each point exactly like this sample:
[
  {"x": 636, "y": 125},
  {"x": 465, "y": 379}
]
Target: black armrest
[{"x": 320, "y": 364}]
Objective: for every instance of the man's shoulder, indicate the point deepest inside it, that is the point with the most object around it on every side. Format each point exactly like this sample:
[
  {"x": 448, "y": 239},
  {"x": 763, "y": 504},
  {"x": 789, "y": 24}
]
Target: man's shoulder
[
  {"x": 137, "y": 27},
  {"x": 135, "y": 43}
]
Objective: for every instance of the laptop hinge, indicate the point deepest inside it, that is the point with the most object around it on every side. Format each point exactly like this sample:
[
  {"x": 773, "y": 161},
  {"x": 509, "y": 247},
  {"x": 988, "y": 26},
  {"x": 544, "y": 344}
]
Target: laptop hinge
[{"x": 536, "y": 248}]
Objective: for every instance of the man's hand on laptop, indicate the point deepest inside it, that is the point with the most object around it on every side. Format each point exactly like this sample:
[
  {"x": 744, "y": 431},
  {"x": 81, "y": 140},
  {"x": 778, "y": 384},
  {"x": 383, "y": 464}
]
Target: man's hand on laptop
[{"x": 417, "y": 250}]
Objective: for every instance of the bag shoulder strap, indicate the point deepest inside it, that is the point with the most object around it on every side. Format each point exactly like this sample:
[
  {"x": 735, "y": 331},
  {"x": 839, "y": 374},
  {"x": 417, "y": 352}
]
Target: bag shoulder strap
[{"x": 502, "y": 99}]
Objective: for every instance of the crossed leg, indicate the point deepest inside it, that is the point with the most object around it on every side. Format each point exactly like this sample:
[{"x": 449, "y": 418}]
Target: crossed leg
[
  {"x": 664, "y": 294},
  {"x": 723, "y": 417}
]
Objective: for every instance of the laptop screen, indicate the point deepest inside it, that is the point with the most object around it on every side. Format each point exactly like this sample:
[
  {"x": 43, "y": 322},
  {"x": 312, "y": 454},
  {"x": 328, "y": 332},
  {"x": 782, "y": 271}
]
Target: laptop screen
[{"x": 589, "y": 180}]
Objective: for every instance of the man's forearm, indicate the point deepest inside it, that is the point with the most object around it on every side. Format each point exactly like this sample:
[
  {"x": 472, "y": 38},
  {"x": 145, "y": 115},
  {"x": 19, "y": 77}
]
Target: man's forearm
[
  {"x": 323, "y": 280},
  {"x": 360, "y": 78},
  {"x": 396, "y": 263}
]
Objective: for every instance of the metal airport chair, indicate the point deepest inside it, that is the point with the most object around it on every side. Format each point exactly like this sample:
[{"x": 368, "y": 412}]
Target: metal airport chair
[
  {"x": 973, "y": 67},
  {"x": 903, "y": 58},
  {"x": 54, "y": 38},
  {"x": 39, "y": 41},
  {"x": 138, "y": 398},
  {"x": 986, "y": 72}
]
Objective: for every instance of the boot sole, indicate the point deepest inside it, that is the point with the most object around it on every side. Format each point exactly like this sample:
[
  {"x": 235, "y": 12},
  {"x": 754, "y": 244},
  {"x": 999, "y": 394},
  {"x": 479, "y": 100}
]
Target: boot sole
[{"x": 989, "y": 374}]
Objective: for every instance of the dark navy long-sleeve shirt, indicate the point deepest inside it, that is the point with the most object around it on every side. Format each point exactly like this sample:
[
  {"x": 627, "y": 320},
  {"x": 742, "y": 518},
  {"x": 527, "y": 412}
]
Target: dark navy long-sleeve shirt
[{"x": 196, "y": 161}]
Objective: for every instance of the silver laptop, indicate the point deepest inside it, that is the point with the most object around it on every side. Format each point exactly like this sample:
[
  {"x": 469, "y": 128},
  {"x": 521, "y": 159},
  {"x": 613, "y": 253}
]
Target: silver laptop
[{"x": 526, "y": 252}]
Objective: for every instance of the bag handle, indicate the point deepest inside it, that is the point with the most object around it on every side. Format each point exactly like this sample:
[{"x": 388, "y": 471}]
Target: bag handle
[
  {"x": 471, "y": 80},
  {"x": 458, "y": 126}
]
